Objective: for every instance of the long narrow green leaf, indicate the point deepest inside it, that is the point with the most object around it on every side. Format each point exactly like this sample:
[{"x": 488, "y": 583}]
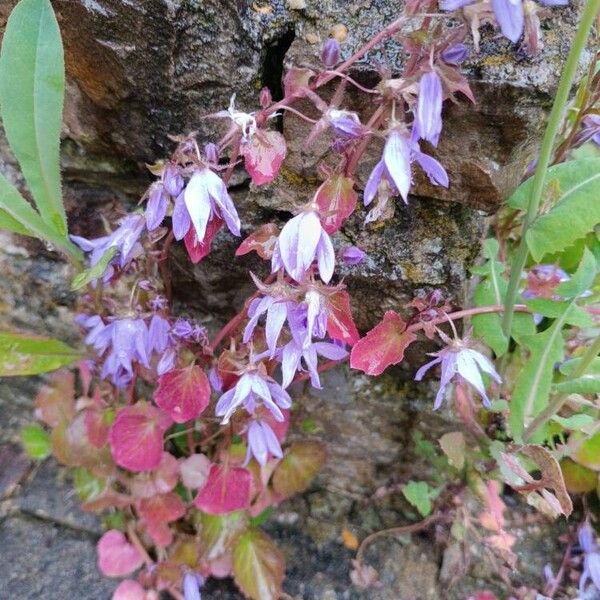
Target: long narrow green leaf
[
  {"x": 572, "y": 191},
  {"x": 32, "y": 82},
  {"x": 20, "y": 213},
  {"x": 22, "y": 354},
  {"x": 532, "y": 388}
]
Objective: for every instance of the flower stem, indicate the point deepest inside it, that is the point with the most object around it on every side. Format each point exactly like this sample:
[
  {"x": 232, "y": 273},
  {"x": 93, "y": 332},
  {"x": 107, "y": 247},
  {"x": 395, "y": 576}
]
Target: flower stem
[
  {"x": 546, "y": 150},
  {"x": 557, "y": 403}
]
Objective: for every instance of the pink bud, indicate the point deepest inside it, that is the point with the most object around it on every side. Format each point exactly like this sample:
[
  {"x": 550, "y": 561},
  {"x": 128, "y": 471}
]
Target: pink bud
[
  {"x": 330, "y": 54},
  {"x": 265, "y": 98},
  {"x": 211, "y": 153}
]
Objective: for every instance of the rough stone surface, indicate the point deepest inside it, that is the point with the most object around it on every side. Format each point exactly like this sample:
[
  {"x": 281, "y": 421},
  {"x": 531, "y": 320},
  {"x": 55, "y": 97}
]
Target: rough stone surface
[{"x": 143, "y": 69}]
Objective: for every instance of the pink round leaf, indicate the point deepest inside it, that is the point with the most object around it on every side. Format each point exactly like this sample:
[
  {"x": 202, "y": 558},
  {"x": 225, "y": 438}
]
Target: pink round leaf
[
  {"x": 163, "y": 508},
  {"x": 136, "y": 437},
  {"x": 263, "y": 155},
  {"x": 183, "y": 393},
  {"x": 194, "y": 471},
  {"x": 225, "y": 490},
  {"x": 129, "y": 590},
  {"x": 116, "y": 556}
]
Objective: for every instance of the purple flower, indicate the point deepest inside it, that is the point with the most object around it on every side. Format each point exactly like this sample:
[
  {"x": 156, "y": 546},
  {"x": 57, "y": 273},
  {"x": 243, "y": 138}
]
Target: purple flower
[
  {"x": 428, "y": 120},
  {"x": 277, "y": 313},
  {"x": 294, "y": 354},
  {"x": 211, "y": 153},
  {"x": 253, "y": 386},
  {"x": 330, "y": 54},
  {"x": 262, "y": 441},
  {"x": 180, "y": 221},
  {"x": 183, "y": 329},
  {"x": 125, "y": 238},
  {"x": 158, "y": 334},
  {"x": 458, "y": 359},
  {"x": 455, "y": 54},
  {"x": 590, "y": 129},
  {"x": 156, "y": 208},
  {"x": 395, "y": 167},
  {"x": 126, "y": 341},
  {"x": 206, "y": 196},
  {"x": 215, "y": 380},
  {"x": 192, "y": 583},
  {"x": 344, "y": 124},
  {"x": 510, "y": 17},
  {"x": 301, "y": 241},
  {"x": 173, "y": 180},
  {"x": 352, "y": 255},
  {"x": 591, "y": 557},
  {"x": 167, "y": 361}
]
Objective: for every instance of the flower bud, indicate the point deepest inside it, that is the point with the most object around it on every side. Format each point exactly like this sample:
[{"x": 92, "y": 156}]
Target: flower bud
[
  {"x": 330, "y": 54},
  {"x": 265, "y": 98},
  {"x": 455, "y": 54},
  {"x": 211, "y": 153}
]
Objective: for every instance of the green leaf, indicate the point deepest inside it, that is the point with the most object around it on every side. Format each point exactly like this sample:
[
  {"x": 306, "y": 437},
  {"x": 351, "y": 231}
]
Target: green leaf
[
  {"x": 218, "y": 532},
  {"x": 419, "y": 494},
  {"x": 578, "y": 479},
  {"x": 31, "y": 355},
  {"x": 552, "y": 309},
  {"x": 574, "y": 422},
  {"x": 491, "y": 290},
  {"x": 258, "y": 566},
  {"x": 534, "y": 382},
  {"x": 296, "y": 470},
  {"x": 36, "y": 441},
  {"x": 87, "y": 486},
  {"x": 568, "y": 367},
  {"x": 16, "y": 210},
  {"x": 588, "y": 453},
  {"x": 582, "y": 279},
  {"x": 95, "y": 272},
  {"x": 586, "y": 384},
  {"x": 573, "y": 191},
  {"x": 32, "y": 84}
]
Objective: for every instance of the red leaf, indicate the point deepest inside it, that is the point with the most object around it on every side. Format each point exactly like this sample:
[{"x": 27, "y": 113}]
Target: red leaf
[
  {"x": 96, "y": 426},
  {"x": 262, "y": 241},
  {"x": 226, "y": 490},
  {"x": 116, "y": 556},
  {"x": 159, "y": 532},
  {"x": 196, "y": 249},
  {"x": 263, "y": 155},
  {"x": 336, "y": 199},
  {"x": 160, "y": 481},
  {"x": 340, "y": 325},
  {"x": 183, "y": 393},
  {"x": 55, "y": 402},
  {"x": 162, "y": 508},
  {"x": 136, "y": 437},
  {"x": 383, "y": 346}
]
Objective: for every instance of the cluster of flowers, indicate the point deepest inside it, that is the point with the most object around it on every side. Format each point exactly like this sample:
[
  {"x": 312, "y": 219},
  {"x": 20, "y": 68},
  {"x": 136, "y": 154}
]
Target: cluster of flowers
[{"x": 299, "y": 314}]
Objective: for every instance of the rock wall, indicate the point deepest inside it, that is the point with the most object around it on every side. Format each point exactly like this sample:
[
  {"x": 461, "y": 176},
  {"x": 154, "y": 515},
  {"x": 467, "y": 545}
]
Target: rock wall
[{"x": 141, "y": 70}]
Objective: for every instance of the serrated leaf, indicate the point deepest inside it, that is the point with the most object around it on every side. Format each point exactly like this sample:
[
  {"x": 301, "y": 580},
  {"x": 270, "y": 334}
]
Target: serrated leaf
[
  {"x": 533, "y": 384},
  {"x": 32, "y": 83},
  {"x": 183, "y": 393},
  {"x": 418, "y": 493},
  {"x": 93, "y": 273},
  {"x": 258, "y": 566},
  {"x": 572, "y": 313},
  {"x": 36, "y": 441},
  {"x": 582, "y": 279},
  {"x": 296, "y": 470},
  {"x": 9, "y": 223},
  {"x": 574, "y": 185},
  {"x": 22, "y": 354}
]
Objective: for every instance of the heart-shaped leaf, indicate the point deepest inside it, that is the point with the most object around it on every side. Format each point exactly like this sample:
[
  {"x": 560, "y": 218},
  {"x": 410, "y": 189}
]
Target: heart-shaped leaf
[
  {"x": 183, "y": 393},
  {"x": 298, "y": 467},
  {"x": 336, "y": 199},
  {"x": 263, "y": 155},
  {"x": 116, "y": 556},
  {"x": 226, "y": 490}
]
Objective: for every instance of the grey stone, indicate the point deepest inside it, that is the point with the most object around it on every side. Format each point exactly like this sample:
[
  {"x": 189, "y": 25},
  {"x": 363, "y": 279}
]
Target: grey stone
[
  {"x": 42, "y": 560},
  {"x": 49, "y": 495}
]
